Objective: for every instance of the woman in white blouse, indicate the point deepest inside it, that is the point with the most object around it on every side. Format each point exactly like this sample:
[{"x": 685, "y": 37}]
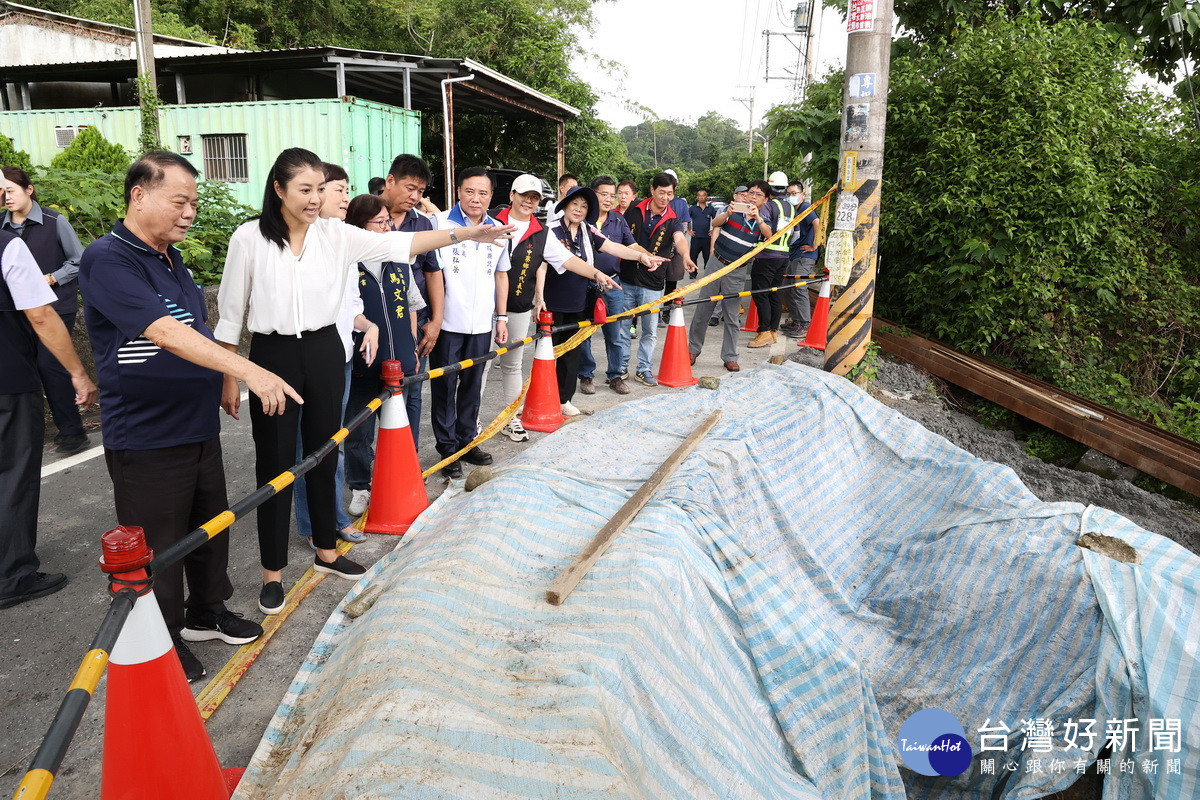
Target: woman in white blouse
[{"x": 286, "y": 275}]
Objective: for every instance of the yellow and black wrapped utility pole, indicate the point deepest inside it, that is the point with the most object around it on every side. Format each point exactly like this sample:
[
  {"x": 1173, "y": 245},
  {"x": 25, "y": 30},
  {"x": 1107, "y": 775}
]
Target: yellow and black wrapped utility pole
[{"x": 853, "y": 244}]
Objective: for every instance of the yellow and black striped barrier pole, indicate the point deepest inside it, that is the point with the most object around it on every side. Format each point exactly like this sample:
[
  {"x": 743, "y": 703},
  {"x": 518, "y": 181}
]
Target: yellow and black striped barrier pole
[{"x": 49, "y": 757}]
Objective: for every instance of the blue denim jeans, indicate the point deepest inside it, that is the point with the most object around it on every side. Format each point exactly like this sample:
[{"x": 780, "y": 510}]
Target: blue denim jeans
[
  {"x": 614, "y": 299},
  {"x": 647, "y": 329},
  {"x": 300, "y": 493}
]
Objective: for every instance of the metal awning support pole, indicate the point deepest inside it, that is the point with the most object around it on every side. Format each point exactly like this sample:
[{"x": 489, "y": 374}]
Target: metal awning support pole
[
  {"x": 408, "y": 88},
  {"x": 448, "y": 133},
  {"x": 180, "y": 94},
  {"x": 562, "y": 148},
  {"x": 341, "y": 80}
]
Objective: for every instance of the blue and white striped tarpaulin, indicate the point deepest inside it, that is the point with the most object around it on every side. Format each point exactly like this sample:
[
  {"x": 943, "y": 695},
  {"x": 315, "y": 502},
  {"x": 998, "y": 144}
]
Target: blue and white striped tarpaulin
[{"x": 817, "y": 571}]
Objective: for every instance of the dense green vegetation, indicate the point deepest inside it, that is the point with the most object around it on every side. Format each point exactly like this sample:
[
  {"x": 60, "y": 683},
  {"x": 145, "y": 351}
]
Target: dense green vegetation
[
  {"x": 87, "y": 184},
  {"x": 1050, "y": 219}
]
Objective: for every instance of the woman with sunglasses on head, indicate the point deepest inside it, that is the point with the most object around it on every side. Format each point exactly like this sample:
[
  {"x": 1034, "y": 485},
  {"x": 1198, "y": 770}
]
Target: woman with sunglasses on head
[
  {"x": 390, "y": 299},
  {"x": 286, "y": 278}
]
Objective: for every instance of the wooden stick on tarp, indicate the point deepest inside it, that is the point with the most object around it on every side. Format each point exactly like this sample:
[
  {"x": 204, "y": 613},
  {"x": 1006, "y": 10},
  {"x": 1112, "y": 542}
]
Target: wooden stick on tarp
[{"x": 565, "y": 583}]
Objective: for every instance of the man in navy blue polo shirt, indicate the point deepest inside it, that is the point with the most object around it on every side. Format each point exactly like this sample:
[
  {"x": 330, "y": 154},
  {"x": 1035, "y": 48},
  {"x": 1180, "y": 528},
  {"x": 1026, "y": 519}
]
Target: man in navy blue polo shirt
[{"x": 161, "y": 374}]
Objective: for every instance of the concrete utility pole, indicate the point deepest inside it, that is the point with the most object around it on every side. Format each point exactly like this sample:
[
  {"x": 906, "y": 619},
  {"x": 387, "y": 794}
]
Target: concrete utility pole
[
  {"x": 748, "y": 102},
  {"x": 148, "y": 79},
  {"x": 854, "y": 242}
]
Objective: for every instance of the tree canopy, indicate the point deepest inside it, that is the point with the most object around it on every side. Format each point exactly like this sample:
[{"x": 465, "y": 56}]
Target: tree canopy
[
  {"x": 669, "y": 143},
  {"x": 1141, "y": 24},
  {"x": 1037, "y": 209}
]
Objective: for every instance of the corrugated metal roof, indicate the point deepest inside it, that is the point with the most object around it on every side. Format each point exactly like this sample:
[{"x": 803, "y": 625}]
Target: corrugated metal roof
[{"x": 366, "y": 72}]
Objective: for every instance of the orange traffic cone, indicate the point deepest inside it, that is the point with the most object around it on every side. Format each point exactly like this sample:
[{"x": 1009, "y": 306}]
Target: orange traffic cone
[
  {"x": 542, "y": 411},
  {"x": 818, "y": 326},
  {"x": 600, "y": 313},
  {"x": 676, "y": 366},
  {"x": 751, "y": 325},
  {"x": 155, "y": 744},
  {"x": 398, "y": 493}
]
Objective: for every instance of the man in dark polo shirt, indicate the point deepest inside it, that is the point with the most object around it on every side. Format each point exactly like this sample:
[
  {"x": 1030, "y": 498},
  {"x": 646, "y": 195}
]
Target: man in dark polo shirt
[
  {"x": 701, "y": 226},
  {"x": 27, "y": 316},
  {"x": 161, "y": 374},
  {"x": 659, "y": 231}
]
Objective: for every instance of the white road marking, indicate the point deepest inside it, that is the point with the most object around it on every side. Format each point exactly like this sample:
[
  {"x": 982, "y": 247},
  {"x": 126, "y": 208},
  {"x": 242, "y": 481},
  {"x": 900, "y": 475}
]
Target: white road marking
[{"x": 87, "y": 455}]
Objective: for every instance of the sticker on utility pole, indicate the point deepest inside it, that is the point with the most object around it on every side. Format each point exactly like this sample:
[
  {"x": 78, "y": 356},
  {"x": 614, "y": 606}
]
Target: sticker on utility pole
[
  {"x": 861, "y": 16},
  {"x": 846, "y": 216},
  {"x": 862, "y": 84},
  {"x": 857, "y": 115},
  {"x": 850, "y": 169},
  {"x": 839, "y": 256}
]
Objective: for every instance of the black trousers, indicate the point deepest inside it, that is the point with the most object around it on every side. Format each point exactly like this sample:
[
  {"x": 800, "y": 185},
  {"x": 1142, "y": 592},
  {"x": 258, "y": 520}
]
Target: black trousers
[
  {"x": 454, "y": 399},
  {"x": 567, "y": 367},
  {"x": 21, "y": 429},
  {"x": 60, "y": 394},
  {"x": 764, "y": 274},
  {"x": 699, "y": 249},
  {"x": 170, "y": 492},
  {"x": 315, "y": 366}
]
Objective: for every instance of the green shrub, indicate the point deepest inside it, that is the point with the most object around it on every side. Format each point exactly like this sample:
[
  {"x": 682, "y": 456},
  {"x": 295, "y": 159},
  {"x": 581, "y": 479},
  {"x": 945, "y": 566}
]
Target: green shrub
[
  {"x": 208, "y": 240},
  {"x": 91, "y": 199},
  {"x": 1053, "y": 448},
  {"x": 89, "y": 150},
  {"x": 12, "y": 157}
]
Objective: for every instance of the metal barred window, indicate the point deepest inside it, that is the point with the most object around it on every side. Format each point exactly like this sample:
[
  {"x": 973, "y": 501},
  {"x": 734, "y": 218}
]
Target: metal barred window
[{"x": 225, "y": 157}]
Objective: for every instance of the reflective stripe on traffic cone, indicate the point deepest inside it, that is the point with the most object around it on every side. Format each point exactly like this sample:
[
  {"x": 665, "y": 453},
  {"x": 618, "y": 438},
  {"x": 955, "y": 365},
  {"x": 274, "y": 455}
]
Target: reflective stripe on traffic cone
[
  {"x": 542, "y": 411},
  {"x": 398, "y": 493},
  {"x": 751, "y": 325},
  {"x": 818, "y": 326},
  {"x": 676, "y": 366},
  {"x": 155, "y": 745}
]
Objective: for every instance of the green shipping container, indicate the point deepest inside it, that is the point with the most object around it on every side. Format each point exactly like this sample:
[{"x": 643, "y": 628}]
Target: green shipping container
[{"x": 236, "y": 143}]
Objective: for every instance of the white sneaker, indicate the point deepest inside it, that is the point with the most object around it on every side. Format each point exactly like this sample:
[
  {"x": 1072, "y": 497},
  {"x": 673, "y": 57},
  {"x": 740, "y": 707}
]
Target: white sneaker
[
  {"x": 569, "y": 410},
  {"x": 359, "y": 500},
  {"x": 515, "y": 430}
]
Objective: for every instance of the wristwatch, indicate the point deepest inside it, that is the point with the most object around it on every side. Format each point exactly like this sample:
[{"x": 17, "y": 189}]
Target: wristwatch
[
  {"x": 453, "y": 236},
  {"x": 500, "y": 318}
]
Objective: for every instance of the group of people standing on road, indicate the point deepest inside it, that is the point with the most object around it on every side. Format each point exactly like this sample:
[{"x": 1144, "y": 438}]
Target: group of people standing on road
[
  {"x": 325, "y": 287},
  {"x": 757, "y": 211}
]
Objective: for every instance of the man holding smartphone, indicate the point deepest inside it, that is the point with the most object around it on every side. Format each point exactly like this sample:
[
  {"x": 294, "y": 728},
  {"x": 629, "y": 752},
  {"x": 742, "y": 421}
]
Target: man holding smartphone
[{"x": 736, "y": 231}]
